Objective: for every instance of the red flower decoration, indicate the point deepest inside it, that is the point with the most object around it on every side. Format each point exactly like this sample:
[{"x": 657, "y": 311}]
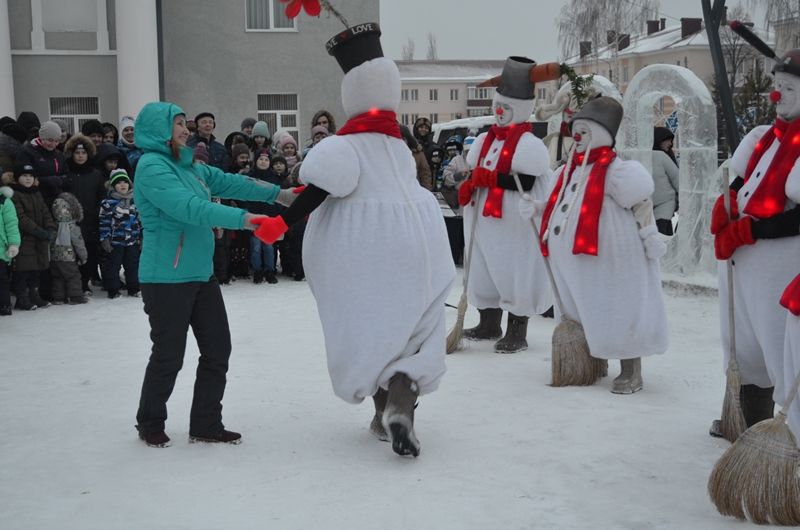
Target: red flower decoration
[{"x": 293, "y": 7}]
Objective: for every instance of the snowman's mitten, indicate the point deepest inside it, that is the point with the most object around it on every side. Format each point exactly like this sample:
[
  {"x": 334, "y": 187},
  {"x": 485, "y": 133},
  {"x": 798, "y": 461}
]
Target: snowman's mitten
[{"x": 654, "y": 246}]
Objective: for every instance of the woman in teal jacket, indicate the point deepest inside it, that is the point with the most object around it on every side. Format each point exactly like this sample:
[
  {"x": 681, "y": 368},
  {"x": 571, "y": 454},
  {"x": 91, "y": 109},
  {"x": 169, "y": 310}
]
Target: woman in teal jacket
[{"x": 173, "y": 196}]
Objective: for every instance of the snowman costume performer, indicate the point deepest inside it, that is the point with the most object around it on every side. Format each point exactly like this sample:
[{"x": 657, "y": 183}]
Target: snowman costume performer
[
  {"x": 375, "y": 251},
  {"x": 762, "y": 242},
  {"x": 791, "y": 352},
  {"x": 600, "y": 236},
  {"x": 506, "y": 269}
]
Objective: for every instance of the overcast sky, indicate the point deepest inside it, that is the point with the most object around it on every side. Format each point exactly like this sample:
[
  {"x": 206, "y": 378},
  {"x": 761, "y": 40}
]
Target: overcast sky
[{"x": 477, "y": 29}]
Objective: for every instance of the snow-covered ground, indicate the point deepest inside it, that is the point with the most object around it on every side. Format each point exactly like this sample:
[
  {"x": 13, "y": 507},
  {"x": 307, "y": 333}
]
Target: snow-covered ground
[{"x": 500, "y": 448}]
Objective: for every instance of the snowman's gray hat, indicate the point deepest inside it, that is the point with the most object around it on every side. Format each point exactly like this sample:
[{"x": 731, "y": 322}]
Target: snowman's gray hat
[{"x": 604, "y": 110}]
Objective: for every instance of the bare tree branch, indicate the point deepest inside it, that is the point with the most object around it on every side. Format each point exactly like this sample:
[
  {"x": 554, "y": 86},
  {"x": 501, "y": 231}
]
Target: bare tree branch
[
  {"x": 432, "y": 54},
  {"x": 408, "y": 50}
]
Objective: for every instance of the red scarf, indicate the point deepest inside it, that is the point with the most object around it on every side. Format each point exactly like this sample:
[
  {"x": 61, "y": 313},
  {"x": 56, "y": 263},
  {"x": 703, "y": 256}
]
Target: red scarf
[
  {"x": 377, "y": 121},
  {"x": 769, "y": 198},
  {"x": 493, "y": 207},
  {"x": 586, "y": 234},
  {"x": 791, "y": 296}
]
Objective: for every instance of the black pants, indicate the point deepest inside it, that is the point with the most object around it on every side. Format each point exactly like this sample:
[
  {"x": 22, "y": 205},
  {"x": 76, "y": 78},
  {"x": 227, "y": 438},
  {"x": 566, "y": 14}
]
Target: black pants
[
  {"x": 25, "y": 280},
  {"x": 66, "y": 280},
  {"x": 172, "y": 308},
  {"x": 5, "y": 284},
  {"x": 664, "y": 226},
  {"x": 455, "y": 234},
  {"x": 89, "y": 269},
  {"x": 222, "y": 257},
  {"x": 127, "y": 257}
]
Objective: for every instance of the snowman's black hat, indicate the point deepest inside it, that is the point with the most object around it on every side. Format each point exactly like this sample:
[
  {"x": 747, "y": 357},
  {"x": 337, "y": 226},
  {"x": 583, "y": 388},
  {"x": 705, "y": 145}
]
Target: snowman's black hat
[
  {"x": 356, "y": 45},
  {"x": 789, "y": 63}
]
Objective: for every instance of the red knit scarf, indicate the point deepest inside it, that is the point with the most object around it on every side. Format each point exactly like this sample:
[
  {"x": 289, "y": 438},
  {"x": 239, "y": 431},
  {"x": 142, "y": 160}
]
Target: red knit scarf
[
  {"x": 377, "y": 121},
  {"x": 586, "y": 234},
  {"x": 511, "y": 135},
  {"x": 791, "y": 296},
  {"x": 769, "y": 198}
]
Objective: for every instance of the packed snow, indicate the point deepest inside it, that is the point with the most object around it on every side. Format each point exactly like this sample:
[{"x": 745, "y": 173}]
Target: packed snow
[{"x": 500, "y": 448}]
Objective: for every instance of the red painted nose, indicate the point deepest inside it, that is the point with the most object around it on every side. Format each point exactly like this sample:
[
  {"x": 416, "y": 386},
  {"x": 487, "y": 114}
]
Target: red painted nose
[
  {"x": 774, "y": 96},
  {"x": 577, "y": 137},
  {"x": 499, "y": 111}
]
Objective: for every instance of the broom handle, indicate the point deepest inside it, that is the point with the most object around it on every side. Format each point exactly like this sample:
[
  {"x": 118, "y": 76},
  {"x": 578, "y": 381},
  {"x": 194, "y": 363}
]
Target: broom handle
[
  {"x": 550, "y": 277},
  {"x": 726, "y": 197},
  {"x": 791, "y": 396},
  {"x": 468, "y": 261}
]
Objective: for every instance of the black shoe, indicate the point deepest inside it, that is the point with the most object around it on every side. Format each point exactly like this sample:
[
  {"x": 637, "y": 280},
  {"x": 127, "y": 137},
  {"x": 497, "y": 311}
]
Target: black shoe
[
  {"x": 258, "y": 277},
  {"x": 224, "y": 437},
  {"x": 56, "y": 301},
  {"x": 549, "y": 313},
  {"x": 37, "y": 300},
  {"x": 155, "y": 439},
  {"x": 135, "y": 293},
  {"x": 24, "y": 303},
  {"x": 5, "y": 311},
  {"x": 113, "y": 293},
  {"x": 271, "y": 278},
  {"x": 489, "y": 326},
  {"x": 75, "y": 300}
]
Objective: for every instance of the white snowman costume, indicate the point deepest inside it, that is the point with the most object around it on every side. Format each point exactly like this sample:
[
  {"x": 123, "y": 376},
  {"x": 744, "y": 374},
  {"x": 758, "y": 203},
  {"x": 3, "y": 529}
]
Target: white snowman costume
[
  {"x": 761, "y": 271},
  {"x": 376, "y": 253},
  {"x": 506, "y": 267},
  {"x": 791, "y": 369},
  {"x": 616, "y": 295}
]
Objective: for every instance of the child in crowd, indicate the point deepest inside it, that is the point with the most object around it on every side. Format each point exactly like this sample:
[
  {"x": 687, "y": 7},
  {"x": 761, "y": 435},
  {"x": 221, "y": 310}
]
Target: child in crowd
[
  {"x": 68, "y": 251},
  {"x": 120, "y": 235},
  {"x": 9, "y": 245},
  {"x": 109, "y": 158},
  {"x": 287, "y": 146},
  {"x": 262, "y": 255},
  {"x": 260, "y": 138},
  {"x": 239, "y": 264},
  {"x": 221, "y": 239},
  {"x": 38, "y": 230}
]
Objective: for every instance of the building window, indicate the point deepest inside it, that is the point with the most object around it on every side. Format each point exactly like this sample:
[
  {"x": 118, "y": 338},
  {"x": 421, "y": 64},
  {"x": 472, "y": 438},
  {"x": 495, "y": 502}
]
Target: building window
[
  {"x": 404, "y": 95},
  {"x": 453, "y": 94},
  {"x": 686, "y": 62},
  {"x": 542, "y": 93},
  {"x": 611, "y": 75},
  {"x": 624, "y": 74},
  {"x": 267, "y": 15},
  {"x": 480, "y": 93},
  {"x": 434, "y": 118},
  {"x": 76, "y": 15},
  {"x": 75, "y": 111},
  {"x": 280, "y": 111},
  {"x": 434, "y": 94},
  {"x": 414, "y": 118},
  {"x": 414, "y": 94}
]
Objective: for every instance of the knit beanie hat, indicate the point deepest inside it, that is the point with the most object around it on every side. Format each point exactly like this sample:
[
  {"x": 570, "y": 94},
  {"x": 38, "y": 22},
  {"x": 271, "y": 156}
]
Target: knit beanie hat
[
  {"x": 239, "y": 149},
  {"x": 319, "y": 129},
  {"x": 28, "y": 120},
  {"x": 49, "y": 131},
  {"x": 126, "y": 121},
  {"x": 23, "y": 169},
  {"x": 201, "y": 152},
  {"x": 119, "y": 175},
  {"x": 15, "y": 131},
  {"x": 204, "y": 115},
  {"x": 5, "y": 120},
  {"x": 247, "y": 122},
  {"x": 92, "y": 127},
  {"x": 260, "y": 129},
  {"x": 286, "y": 139}
]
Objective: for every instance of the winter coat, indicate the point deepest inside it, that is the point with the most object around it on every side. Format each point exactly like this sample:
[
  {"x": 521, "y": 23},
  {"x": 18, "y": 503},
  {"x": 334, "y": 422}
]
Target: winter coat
[
  {"x": 423, "y": 170},
  {"x": 68, "y": 245},
  {"x": 106, "y": 151},
  {"x": 217, "y": 154},
  {"x": 34, "y": 216},
  {"x": 425, "y": 141},
  {"x": 174, "y": 202},
  {"x": 87, "y": 183},
  {"x": 119, "y": 220},
  {"x": 131, "y": 152},
  {"x": 666, "y": 179},
  {"x": 9, "y": 147},
  {"x": 50, "y": 167},
  {"x": 9, "y": 225}
]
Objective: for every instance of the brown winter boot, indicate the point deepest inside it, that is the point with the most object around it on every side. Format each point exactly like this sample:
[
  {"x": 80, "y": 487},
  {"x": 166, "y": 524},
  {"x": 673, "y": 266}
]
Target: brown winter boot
[
  {"x": 629, "y": 381},
  {"x": 376, "y": 427},
  {"x": 489, "y": 326},
  {"x": 757, "y": 404},
  {"x": 516, "y": 335},
  {"x": 398, "y": 417}
]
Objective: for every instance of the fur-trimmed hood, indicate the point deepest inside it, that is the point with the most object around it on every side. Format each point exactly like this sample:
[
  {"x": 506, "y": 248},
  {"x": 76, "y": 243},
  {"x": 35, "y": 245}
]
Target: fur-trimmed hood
[
  {"x": 6, "y": 192},
  {"x": 69, "y": 147},
  {"x": 67, "y": 208}
]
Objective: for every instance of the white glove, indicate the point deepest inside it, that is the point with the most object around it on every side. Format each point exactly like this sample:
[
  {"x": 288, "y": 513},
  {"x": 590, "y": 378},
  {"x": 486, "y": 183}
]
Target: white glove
[
  {"x": 12, "y": 251},
  {"x": 286, "y": 197},
  {"x": 528, "y": 207},
  {"x": 654, "y": 246}
]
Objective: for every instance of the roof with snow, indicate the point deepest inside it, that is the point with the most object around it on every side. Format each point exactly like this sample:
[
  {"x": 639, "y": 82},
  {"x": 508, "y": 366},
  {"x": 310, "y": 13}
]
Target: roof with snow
[
  {"x": 449, "y": 70},
  {"x": 666, "y": 39}
]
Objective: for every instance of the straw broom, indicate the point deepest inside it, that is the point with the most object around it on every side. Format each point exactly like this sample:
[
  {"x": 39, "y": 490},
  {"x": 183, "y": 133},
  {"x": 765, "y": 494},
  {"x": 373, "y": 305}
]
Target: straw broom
[
  {"x": 454, "y": 337},
  {"x": 572, "y": 363},
  {"x": 732, "y": 422},
  {"x": 758, "y": 477}
]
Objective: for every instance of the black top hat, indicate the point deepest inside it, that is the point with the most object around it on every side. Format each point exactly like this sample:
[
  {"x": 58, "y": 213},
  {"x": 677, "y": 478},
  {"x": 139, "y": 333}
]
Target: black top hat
[
  {"x": 355, "y": 45},
  {"x": 789, "y": 63},
  {"x": 515, "y": 81}
]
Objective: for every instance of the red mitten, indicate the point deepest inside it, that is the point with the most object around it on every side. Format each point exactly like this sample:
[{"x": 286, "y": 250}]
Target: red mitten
[
  {"x": 719, "y": 217},
  {"x": 298, "y": 189},
  {"x": 465, "y": 192},
  {"x": 484, "y": 178},
  {"x": 733, "y": 236},
  {"x": 270, "y": 229}
]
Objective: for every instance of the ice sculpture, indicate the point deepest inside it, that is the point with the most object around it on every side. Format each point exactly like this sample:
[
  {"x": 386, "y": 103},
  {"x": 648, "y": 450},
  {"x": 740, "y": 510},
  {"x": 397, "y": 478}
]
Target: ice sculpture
[{"x": 697, "y": 143}]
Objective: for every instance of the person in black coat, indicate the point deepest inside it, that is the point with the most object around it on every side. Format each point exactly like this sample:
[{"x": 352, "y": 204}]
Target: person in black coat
[
  {"x": 262, "y": 255},
  {"x": 49, "y": 164},
  {"x": 109, "y": 158},
  {"x": 87, "y": 183}
]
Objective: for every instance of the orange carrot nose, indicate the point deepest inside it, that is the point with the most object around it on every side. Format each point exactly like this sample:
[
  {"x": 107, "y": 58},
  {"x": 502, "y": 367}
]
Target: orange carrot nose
[{"x": 545, "y": 72}]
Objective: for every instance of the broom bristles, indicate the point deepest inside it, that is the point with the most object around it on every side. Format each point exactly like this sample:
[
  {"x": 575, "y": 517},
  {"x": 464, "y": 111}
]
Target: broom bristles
[
  {"x": 572, "y": 363},
  {"x": 454, "y": 337},
  {"x": 757, "y": 478},
  {"x": 732, "y": 423}
]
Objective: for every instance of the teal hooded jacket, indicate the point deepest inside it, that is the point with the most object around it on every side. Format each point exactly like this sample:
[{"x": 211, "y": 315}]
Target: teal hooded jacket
[{"x": 174, "y": 202}]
